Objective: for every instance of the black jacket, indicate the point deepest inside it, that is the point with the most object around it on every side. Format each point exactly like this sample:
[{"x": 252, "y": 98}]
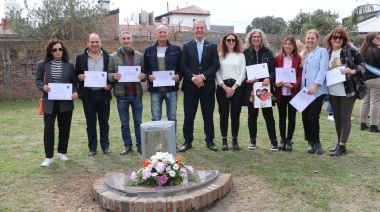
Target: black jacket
[{"x": 81, "y": 65}]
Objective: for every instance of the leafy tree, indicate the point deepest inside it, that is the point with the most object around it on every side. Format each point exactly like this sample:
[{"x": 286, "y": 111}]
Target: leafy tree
[
  {"x": 269, "y": 24},
  {"x": 323, "y": 21},
  {"x": 61, "y": 19},
  {"x": 295, "y": 25}
]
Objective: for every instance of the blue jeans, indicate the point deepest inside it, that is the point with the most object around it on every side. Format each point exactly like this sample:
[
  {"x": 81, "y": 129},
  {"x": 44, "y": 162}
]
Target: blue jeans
[
  {"x": 329, "y": 109},
  {"x": 123, "y": 108},
  {"x": 156, "y": 100}
]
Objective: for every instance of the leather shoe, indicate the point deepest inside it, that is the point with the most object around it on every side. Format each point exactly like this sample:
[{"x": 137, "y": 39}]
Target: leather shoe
[
  {"x": 139, "y": 150},
  {"x": 107, "y": 152},
  {"x": 186, "y": 146},
  {"x": 92, "y": 153},
  {"x": 212, "y": 146},
  {"x": 126, "y": 151}
]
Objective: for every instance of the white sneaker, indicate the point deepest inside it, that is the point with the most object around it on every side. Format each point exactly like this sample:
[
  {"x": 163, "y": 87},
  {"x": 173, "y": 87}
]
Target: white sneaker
[
  {"x": 331, "y": 118},
  {"x": 62, "y": 157},
  {"x": 47, "y": 162}
]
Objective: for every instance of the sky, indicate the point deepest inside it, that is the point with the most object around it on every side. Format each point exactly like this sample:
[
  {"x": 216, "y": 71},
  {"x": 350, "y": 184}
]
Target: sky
[{"x": 238, "y": 13}]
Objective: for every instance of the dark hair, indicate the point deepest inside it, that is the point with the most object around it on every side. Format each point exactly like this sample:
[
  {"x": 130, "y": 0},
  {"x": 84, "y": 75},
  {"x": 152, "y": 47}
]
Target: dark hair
[
  {"x": 293, "y": 42},
  {"x": 49, "y": 50},
  {"x": 368, "y": 49},
  {"x": 222, "y": 48},
  {"x": 342, "y": 33}
]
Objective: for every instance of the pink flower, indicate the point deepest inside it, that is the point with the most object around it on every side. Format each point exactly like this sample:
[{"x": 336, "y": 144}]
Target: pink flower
[
  {"x": 190, "y": 168},
  {"x": 160, "y": 167},
  {"x": 146, "y": 174},
  {"x": 162, "y": 180},
  {"x": 134, "y": 176},
  {"x": 183, "y": 172}
]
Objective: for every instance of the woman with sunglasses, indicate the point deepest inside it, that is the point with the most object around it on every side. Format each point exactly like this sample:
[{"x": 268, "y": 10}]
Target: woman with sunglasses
[
  {"x": 370, "y": 50},
  {"x": 342, "y": 95},
  {"x": 288, "y": 57},
  {"x": 56, "y": 68},
  {"x": 229, "y": 93},
  {"x": 315, "y": 65},
  {"x": 257, "y": 52}
]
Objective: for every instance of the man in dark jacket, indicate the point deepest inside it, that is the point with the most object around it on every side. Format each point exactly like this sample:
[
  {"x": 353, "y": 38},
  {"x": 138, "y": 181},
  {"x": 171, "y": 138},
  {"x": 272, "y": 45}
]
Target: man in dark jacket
[{"x": 96, "y": 100}]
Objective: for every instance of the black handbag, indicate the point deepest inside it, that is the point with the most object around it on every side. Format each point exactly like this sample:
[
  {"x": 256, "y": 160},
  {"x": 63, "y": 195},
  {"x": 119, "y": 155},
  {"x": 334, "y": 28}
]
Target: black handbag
[{"x": 361, "y": 88}]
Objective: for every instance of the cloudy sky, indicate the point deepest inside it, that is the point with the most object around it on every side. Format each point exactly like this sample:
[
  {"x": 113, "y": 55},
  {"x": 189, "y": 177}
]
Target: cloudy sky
[{"x": 238, "y": 13}]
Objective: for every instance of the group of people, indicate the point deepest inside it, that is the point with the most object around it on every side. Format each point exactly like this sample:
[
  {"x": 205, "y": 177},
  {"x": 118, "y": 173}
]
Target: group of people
[{"x": 208, "y": 70}]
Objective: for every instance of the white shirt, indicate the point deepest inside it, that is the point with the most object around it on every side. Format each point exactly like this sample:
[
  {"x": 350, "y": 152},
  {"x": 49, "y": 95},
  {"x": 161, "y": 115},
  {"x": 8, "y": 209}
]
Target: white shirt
[{"x": 231, "y": 67}]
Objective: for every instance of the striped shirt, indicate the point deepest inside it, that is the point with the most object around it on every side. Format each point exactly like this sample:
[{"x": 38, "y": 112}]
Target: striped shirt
[{"x": 56, "y": 70}]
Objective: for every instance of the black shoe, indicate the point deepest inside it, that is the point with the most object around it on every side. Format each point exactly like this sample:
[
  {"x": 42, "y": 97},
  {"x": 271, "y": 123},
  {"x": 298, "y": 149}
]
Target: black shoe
[
  {"x": 139, "y": 150},
  {"x": 340, "y": 150},
  {"x": 252, "y": 144},
  {"x": 235, "y": 145},
  {"x": 92, "y": 153},
  {"x": 107, "y": 152},
  {"x": 282, "y": 144},
  {"x": 212, "y": 146},
  {"x": 363, "y": 126},
  {"x": 126, "y": 150},
  {"x": 334, "y": 149},
  {"x": 289, "y": 145},
  {"x": 310, "y": 147},
  {"x": 318, "y": 148},
  {"x": 373, "y": 128},
  {"x": 274, "y": 146},
  {"x": 186, "y": 146},
  {"x": 224, "y": 144}
]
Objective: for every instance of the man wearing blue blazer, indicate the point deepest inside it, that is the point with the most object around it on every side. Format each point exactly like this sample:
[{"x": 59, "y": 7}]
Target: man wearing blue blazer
[{"x": 199, "y": 63}]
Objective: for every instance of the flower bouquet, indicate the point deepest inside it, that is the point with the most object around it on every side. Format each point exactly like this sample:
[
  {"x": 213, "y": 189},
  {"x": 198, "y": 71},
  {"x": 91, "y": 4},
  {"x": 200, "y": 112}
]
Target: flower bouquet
[{"x": 160, "y": 170}]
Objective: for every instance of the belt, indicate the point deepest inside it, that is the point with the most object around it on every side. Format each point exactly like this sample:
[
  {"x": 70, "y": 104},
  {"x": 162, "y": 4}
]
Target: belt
[
  {"x": 97, "y": 90},
  {"x": 229, "y": 81}
]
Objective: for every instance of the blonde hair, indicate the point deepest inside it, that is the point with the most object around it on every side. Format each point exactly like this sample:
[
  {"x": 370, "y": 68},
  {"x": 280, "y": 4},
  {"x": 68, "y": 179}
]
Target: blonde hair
[{"x": 304, "y": 52}]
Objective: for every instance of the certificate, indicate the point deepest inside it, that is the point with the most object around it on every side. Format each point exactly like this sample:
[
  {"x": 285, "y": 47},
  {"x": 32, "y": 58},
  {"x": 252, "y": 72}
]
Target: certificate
[
  {"x": 302, "y": 100},
  {"x": 257, "y": 71},
  {"x": 262, "y": 97},
  {"x": 335, "y": 76},
  {"x": 60, "y": 91},
  {"x": 95, "y": 79},
  {"x": 286, "y": 75},
  {"x": 129, "y": 73},
  {"x": 163, "y": 78}
]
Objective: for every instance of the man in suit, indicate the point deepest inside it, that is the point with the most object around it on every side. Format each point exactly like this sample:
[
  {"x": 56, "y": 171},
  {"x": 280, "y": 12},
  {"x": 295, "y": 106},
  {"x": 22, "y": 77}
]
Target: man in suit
[
  {"x": 96, "y": 100},
  {"x": 199, "y": 63}
]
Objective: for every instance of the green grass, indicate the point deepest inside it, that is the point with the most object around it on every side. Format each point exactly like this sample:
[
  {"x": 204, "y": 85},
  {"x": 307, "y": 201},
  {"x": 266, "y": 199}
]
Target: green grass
[{"x": 290, "y": 181}]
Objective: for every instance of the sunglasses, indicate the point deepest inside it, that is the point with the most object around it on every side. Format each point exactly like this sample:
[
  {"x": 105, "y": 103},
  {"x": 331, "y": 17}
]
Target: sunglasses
[
  {"x": 231, "y": 40},
  {"x": 59, "y": 49},
  {"x": 378, "y": 37},
  {"x": 334, "y": 37}
]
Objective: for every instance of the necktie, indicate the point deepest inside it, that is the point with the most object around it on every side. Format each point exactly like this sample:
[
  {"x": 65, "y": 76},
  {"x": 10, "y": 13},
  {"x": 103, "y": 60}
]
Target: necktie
[{"x": 200, "y": 50}]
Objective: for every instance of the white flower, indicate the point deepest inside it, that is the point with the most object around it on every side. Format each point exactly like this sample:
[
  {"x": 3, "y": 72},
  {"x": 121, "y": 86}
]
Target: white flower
[
  {"x": 175, "y": 167},
  {"x": 154, "y": 174},
  {"x": 172, "y": 173}
]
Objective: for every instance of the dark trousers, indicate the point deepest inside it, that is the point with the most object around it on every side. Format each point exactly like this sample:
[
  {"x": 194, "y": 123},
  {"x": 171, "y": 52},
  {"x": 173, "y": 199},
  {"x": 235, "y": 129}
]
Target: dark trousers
[
  {"x": 253, "y": 113},
  {"x": 64, "y": 124},
  {"x": 225, "y": 104},
  {"x": 310, "y": 119},
  {"x": 342, "y": 108},
  {"x": 97, "y": 108},
  {"x": 286, "y": 110},
  {"x": 190, "y": 104}
]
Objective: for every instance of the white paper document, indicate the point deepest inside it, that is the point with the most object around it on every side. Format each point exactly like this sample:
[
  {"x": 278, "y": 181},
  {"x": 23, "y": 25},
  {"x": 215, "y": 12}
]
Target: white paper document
[
  {"x": 286, "y": 75},
  {"x": 60, "y": 91},
  {"x": 302, "y": 100},
  {"x": 163, "y": 78},
  {"x": 257, "y": 71},
  {"x": 129, "y": 73},
  {"x": 335, "y": 76},
  {"x": 95, "y": 79}
]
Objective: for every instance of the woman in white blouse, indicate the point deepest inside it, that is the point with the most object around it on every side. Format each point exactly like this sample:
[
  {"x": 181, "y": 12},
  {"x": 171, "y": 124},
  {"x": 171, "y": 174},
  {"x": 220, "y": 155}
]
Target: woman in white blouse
[{"x": 229, "y": 93}]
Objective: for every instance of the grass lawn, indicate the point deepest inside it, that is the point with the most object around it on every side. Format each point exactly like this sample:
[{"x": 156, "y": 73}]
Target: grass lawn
[{"x": 263, "y": 180}]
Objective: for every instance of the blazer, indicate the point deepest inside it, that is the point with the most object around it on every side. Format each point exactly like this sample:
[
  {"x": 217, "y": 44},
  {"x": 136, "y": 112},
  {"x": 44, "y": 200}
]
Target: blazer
[
  {"x": 296, "y": 62},
  {"x": 68, "y": 76},
  {"x": 172, "y": 62},
  {"x": 208, "y": 67},
  {"x": 81, "y": 65},
  {"x": 314, "y": 70}
]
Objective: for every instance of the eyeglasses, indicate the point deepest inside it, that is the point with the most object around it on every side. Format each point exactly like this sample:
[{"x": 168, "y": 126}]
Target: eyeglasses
[
  {"x": 378, "y": 37},
  {"x": 59, "y": 49},
  {"x": 257, "y": 37},
  {"x": 334, "y": 37},
  {"x": 231, "y": 40}
]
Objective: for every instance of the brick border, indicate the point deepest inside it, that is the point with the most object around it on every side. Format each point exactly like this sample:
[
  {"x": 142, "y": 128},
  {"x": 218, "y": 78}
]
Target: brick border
[{"x": 194, "y": 200}]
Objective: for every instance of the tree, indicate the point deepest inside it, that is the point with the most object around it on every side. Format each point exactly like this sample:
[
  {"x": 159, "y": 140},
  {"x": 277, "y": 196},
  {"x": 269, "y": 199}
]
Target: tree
[
  {"x": 269, "y": 25},
  {"x": 323, "y": 21},
  {"x": 61, "y": 19},
  {"x": 295, "y": 25}
]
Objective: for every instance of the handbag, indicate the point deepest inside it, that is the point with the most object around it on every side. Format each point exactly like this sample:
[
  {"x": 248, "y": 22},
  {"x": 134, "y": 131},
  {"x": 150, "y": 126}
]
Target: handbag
[
  {"x": 361, "y": 88},
  {"x": 41, "y": 103}
]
